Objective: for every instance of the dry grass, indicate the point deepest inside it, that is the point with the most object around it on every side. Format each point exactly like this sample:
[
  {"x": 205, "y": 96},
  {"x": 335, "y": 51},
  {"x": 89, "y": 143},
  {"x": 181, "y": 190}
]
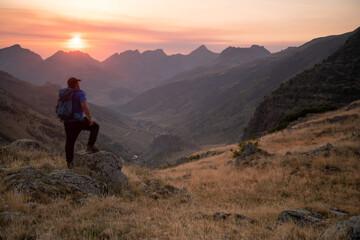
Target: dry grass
[{"x": 260, "y": 192}]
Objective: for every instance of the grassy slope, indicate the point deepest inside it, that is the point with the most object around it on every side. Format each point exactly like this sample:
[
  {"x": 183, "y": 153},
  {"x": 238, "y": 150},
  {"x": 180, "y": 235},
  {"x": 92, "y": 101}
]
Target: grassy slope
[{"x": 260, "y": 192}]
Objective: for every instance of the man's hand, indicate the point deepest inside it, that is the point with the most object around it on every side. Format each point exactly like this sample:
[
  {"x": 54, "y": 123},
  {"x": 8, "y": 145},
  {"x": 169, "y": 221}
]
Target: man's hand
[
  {"x": 87, "y": 113},
  {"x": 91, "y": 122}
]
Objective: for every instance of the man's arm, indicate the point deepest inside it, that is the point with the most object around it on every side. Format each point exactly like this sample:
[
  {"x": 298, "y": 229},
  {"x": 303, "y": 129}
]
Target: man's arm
[{"x": 87, "y": 112}]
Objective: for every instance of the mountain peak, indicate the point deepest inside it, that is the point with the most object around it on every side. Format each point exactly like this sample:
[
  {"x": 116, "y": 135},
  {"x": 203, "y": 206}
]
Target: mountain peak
[
  {"x": 157, "y": 53},
  {"x": 254, "y": 52},
  {"x": 130, "y": 53},
  {"x": 201, "y": 50},
  {"x": 15, "y": 46},
  {"x": 72, "y": 55}
]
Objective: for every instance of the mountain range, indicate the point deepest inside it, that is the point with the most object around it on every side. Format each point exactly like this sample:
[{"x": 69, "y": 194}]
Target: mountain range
[
  {"x": 120, "y": 77},
  {"x": 213, "y": 105}
]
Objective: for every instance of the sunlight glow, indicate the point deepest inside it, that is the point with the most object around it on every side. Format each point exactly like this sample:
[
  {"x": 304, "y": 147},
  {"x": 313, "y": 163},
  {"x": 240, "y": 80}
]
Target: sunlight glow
[{"x": 76, "y": 42}]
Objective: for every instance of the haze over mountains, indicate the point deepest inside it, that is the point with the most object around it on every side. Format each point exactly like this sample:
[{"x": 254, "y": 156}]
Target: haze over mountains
[{"x": 188, "y": 100}]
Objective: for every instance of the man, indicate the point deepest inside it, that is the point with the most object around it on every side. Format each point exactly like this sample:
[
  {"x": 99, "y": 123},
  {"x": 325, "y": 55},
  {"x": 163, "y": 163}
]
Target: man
[{"x": 77, "y": 123}]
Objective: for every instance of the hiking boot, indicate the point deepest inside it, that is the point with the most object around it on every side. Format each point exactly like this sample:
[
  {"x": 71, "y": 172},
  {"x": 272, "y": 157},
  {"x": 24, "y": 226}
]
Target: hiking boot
[
  {"x": 70, "y": 165},
  {"x": 92, "y": 149}
]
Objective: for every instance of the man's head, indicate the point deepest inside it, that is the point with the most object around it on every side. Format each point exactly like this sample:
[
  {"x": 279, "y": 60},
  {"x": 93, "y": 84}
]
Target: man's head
[{"x": 73, "y": 83}]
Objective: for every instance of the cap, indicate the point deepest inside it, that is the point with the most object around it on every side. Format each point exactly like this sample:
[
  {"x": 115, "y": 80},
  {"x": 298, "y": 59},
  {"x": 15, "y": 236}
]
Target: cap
[{"x": 72, "y": 82}]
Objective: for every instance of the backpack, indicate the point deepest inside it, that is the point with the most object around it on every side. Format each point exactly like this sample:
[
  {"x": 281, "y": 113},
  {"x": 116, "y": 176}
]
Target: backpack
[{"x": 64, "y": 108}]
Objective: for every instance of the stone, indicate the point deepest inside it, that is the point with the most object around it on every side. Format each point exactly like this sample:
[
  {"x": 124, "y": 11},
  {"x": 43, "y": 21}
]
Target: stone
[
  {"x": 319, "y": 150},
  {"x": 7, "y": 217},
  {"x": 104, "y": 166},
  {"x": 337, "y": 213},
  {"x": 341, "y": 118},
  {"x": 47, "y": 167},
  {"x": 346, "y": 230},
  {"x": 221, "y": 216},
  {"x": 300, "y": 217},
  {"x": 155, "y": 188},
  {"x": 59, "y": 183},
  {"x": 249, "y": 149},
  {"x": 25, "y": 145},
  {"x": 235, "y": 216},
  {"x": 352, "y": 106}
]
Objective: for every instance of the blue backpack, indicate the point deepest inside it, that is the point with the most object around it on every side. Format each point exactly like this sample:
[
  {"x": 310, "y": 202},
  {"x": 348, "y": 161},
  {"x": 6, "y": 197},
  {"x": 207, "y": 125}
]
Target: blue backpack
[{"x": 64, "y": 108}]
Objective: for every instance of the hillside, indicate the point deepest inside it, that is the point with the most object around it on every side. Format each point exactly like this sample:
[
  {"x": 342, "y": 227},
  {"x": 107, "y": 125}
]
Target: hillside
[
  {"x": 214, "y": 107},
  {"x": 336, "y": 82},
  {"x": 300, "y": 183}
]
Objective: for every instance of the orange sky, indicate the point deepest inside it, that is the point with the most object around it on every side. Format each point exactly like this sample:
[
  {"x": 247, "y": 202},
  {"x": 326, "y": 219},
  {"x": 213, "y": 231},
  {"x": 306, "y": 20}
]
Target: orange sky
[{"x": 104, "y": 27}]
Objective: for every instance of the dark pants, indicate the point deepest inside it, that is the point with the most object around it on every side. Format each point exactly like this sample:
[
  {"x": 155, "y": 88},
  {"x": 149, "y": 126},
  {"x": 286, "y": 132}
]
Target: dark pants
[{"x": 72, "y": 130}]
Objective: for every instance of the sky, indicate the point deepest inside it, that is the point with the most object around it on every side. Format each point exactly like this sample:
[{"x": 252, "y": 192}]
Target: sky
[{"x": 104, "y": 27}]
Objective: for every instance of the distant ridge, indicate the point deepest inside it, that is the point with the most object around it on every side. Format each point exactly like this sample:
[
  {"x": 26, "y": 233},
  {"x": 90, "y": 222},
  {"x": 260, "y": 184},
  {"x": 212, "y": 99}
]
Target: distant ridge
[{"x": 336, "y": 81}]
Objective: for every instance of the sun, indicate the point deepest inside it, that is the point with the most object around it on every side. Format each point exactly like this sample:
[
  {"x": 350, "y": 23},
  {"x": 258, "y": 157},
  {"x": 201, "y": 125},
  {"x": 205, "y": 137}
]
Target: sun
[{"x": 76, "y": 43}]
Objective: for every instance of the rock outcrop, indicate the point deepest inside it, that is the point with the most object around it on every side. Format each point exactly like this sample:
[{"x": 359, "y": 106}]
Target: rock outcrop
[
  {"x": 345, "y": 230},
  {"x": 104, "y": 166},
  {"x": 319, "y": 150},
  {"x": 250, "y": 150},
  {"x": 58, "y": 183}
]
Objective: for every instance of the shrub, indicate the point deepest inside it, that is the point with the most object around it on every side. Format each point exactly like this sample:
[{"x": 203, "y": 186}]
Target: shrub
[{"x": 241, "y": 145}]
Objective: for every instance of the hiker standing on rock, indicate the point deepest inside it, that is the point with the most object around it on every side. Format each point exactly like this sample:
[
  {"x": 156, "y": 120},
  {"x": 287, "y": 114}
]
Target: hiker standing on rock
[{"x": 70, "y": 109}]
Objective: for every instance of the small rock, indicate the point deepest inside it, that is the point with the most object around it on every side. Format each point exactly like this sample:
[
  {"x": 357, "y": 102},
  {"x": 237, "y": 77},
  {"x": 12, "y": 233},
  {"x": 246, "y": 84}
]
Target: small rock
[
  {"x": 25, "y": 145},
  {"x": 8, "y": 217},
  {"x": 109, "y": 209},
  {"x": 352, "y": 106},
  {"x": 31, "y": 204},
  {"x": 148, "y": 224},
  {"x": 332, "y": 169},
  {"x": 240, "y": 217},
  {"x": 288, "y": 153},
  {"x": 82, "y": 201},
  {"x": 229, "y": 163},
  {"x": 347, "y": 230},
  {"x": 47, "y": 167},
  {"x": 221, "y": 216},
  {"x": 336, "y": 212},
  {"x": 301, "y": 217},
  {"x": 319, "y": 150}
]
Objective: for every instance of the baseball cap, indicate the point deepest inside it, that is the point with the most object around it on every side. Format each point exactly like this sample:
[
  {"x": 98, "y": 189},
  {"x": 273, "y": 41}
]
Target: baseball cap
[{"x": 72, "y": 82}]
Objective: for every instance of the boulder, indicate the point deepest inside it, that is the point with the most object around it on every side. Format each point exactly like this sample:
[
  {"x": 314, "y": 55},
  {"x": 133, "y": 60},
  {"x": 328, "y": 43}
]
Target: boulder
[
  {"x": 58, "y": 183},
  {"x": 345, "y": 230},
  {"x": 301, "y": 217},
  {"x": 104, "y": 166},
  {"x": 25, "y": 145}
]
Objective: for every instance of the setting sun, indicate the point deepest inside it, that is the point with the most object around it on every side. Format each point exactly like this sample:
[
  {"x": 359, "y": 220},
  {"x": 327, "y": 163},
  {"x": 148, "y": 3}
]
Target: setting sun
[{"x": 76, "y": 43}]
